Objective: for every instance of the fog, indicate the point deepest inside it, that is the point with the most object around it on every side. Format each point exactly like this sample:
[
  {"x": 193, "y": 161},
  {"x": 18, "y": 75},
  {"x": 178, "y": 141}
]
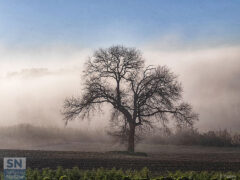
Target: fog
[
  {"x": 34, "y": 84},
  {"x": 211, "y": 82}
]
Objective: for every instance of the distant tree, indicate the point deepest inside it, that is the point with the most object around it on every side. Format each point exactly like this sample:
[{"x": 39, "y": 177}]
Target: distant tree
[{"x": 139, "y": 96}]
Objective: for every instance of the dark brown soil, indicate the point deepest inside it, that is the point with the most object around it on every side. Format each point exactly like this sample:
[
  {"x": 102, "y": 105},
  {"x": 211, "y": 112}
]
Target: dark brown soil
[{"x": 156, "y": 162}]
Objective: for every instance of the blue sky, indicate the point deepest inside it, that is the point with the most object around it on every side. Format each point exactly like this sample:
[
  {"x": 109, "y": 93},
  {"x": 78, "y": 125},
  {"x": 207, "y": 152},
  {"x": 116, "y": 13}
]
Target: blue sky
[
  {"x": 93, "y": 23},
  {"x": 195, "y": 38}
]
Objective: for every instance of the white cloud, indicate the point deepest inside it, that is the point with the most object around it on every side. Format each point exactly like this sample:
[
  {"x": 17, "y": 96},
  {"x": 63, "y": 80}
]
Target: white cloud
[{"x": 51, "y": 56}]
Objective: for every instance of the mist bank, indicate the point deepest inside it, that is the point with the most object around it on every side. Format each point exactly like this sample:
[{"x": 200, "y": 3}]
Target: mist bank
[
  {"x": 27, "y": 136},
  {"x": 211, "y": 82},
  {"x": 33, "y": 92},
  {"x": 30, "y": 137}
]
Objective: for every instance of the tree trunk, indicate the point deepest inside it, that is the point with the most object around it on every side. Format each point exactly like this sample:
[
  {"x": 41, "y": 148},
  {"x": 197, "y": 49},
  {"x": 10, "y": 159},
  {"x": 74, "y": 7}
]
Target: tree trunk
[{"x": 131, "y": 137}]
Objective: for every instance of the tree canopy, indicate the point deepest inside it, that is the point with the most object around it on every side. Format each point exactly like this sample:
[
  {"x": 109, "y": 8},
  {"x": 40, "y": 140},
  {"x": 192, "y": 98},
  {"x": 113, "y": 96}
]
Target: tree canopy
[{"x": 139, "y": 95}]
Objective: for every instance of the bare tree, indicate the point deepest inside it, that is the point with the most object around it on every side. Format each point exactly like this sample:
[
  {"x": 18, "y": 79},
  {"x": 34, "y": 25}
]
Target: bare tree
[{"x": 140, "y": 96}]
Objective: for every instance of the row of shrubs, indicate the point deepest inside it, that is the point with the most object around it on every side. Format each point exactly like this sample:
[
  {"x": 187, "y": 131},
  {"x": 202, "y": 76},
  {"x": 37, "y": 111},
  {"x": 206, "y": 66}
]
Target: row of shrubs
[
  {"x": 220, "y": 138},
  {"x": 114, "y": 174}
]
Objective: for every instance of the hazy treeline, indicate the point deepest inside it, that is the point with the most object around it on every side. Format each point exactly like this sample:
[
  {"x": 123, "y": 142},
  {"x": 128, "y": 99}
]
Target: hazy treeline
[
  {"x": 26, "y": 136},
  {"x": 220, "y": 138}
]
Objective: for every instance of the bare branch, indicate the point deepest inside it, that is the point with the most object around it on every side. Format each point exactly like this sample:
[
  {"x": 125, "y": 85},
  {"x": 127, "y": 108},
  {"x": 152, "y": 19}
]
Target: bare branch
[{"x": 139, "y": 96}]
